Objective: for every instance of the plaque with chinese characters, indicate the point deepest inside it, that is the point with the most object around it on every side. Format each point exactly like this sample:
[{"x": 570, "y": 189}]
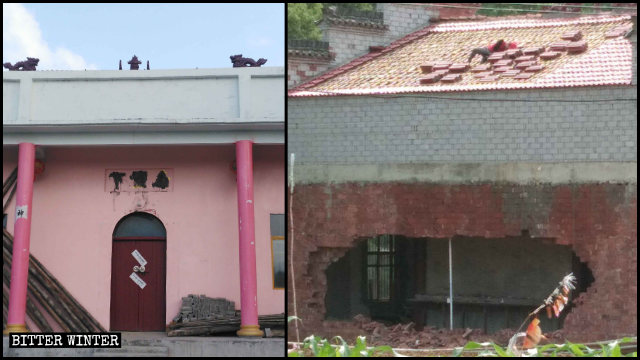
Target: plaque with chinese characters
[{"x": 141, "y": 179}]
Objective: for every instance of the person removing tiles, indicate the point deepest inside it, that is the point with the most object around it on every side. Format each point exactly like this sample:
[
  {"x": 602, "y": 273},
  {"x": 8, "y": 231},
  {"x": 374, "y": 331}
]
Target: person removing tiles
[{"x": 485, "y": 52}]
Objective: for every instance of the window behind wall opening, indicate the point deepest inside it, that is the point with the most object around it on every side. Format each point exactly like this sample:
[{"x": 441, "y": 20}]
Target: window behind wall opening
[
  {"x": 277, "y": 250},
  {"x": 380, "y": 268}
]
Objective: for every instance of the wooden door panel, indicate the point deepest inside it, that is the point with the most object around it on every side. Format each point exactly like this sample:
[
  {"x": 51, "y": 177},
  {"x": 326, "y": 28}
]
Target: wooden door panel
[
  {"x": 124, "y": 292},
  {"x": 152, "y": 308},
  {"x": 133, "y": 308}
]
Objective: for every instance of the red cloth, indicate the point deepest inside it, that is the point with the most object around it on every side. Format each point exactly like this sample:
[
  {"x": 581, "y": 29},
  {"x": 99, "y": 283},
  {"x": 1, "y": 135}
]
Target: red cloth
[{"x": 505, "y": 46}]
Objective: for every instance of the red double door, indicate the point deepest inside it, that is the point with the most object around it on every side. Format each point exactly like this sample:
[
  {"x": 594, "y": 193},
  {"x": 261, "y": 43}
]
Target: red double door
[{"x": 138, "y": 304}]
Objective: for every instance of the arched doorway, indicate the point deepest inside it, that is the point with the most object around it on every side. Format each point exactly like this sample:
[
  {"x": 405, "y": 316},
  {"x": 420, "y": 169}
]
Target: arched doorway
[{"x": 138, "y": 274}]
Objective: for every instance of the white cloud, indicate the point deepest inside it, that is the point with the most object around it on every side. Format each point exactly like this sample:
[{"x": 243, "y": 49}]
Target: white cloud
[
  {"x": 260, "y": 41},
  {"x": 21, "y": 37}
]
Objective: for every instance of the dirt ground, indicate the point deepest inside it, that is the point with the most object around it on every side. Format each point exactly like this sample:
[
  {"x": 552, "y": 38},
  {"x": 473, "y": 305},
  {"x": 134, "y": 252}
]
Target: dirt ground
[{"x": 405, "y": 335}]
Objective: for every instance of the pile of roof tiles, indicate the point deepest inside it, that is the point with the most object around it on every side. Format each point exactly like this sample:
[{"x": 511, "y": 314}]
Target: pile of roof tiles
[
  {"x": 520, "y": 64},
  {"x": 571, "y": 43},
  {"x": 444, "y": 71}
]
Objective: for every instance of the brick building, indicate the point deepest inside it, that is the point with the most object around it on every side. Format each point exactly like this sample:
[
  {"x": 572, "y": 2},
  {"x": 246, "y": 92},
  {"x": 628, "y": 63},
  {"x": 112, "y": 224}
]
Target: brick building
[
  {"x": 526, "y": 163},
  {"x": 348, "y": 35}
]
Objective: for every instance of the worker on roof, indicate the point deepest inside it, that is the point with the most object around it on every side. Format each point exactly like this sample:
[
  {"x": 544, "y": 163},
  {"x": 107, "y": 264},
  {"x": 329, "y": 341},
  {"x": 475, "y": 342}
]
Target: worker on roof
[{"x": 499, "y": 45}]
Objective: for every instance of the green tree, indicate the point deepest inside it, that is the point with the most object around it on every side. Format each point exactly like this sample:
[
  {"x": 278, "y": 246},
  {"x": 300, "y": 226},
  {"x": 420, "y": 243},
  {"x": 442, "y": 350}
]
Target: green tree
[
  {"x": 353, "y": 6},
  {"x": 302, "y": 18}
]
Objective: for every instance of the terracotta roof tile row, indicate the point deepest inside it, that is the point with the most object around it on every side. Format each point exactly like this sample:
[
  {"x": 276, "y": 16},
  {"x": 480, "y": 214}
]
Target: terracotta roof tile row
[
  {"x": 524, "y": 23},
  {"x": 444, "y": 48}
]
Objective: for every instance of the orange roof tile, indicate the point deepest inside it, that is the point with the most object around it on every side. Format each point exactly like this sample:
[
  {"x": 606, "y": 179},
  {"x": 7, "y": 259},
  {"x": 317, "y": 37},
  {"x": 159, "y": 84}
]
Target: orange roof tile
[{"x": 397, "y": 68}]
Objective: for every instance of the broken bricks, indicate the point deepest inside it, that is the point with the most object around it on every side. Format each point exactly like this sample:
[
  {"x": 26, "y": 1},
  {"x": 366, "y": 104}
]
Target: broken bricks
[{"x": 404, "y": 335}]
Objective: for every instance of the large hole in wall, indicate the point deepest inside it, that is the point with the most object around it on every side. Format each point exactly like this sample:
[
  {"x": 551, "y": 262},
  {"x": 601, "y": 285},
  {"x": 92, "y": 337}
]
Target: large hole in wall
[{"x": 496, "y": 282}]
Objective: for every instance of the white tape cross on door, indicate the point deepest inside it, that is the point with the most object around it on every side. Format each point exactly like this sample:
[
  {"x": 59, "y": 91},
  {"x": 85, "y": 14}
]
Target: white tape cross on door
[
  {"x": 138, "y": 280},
  {"x": 135, "y": 277},
  {"x": 136, "y": 254}
]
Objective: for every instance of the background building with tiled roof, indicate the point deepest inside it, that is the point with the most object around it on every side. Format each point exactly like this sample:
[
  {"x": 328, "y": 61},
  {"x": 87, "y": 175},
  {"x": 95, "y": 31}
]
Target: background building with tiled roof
[
  {"x": 527, "y": 163},
  {"x": 348, "y": 35}
]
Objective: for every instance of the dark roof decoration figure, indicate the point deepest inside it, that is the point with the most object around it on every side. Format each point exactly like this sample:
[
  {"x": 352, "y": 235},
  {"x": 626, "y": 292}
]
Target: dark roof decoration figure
[
  {"x": 134, "y": 62},
  {"x": 27, "y": 65},
  {"x": 239, "y": 61}
]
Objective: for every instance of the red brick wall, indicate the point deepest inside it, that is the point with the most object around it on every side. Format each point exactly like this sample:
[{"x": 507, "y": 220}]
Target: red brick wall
[{"x": 597, "y": 220}]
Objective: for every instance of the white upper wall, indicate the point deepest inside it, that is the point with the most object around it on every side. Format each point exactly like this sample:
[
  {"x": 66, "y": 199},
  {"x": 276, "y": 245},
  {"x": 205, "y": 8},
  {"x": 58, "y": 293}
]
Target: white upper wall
[{"x": 237, "y": 99}]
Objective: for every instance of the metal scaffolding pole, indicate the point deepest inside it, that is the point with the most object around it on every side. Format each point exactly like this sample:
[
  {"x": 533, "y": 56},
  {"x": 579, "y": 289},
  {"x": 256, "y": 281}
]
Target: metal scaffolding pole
[{"x": 450, "y": 288}]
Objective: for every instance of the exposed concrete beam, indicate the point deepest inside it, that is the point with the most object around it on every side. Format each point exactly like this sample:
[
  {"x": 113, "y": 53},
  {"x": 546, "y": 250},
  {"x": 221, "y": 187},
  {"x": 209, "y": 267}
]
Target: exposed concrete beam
[
  {"x": 467, "y": 173},
  {"x": 144, "y": 137}
]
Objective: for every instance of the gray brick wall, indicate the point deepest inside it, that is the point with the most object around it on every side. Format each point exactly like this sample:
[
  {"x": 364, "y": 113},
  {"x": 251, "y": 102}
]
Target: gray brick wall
[
  {"x": 417, "y": 128},
  {"x": 403, "y": 19},
  {"x": 350, "y": 42},
  {"x": 302, "y": 69}
]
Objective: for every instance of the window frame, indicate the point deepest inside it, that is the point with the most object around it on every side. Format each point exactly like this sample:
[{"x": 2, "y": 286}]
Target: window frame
[
  {"x": 155, "y": 227},
  {"x": 277, "y": 227},
  {"x": 273, "y": 265},
  {"x": 391, "y": 253}
]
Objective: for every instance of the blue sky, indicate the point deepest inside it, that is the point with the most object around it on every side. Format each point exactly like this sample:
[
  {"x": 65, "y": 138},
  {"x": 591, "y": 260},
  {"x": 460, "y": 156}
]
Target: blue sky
[{"x": 170, "y": 36}]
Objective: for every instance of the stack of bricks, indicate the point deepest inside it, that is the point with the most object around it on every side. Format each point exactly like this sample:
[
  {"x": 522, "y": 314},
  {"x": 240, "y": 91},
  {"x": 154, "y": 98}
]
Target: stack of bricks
[
  {"x": 571, "y": 42},
  {"x": 559, "y": 46},
  {"x": 444, "y": 71},
  {"x": 497, "y": 56},
  {"x": 575, "y": 46},
  {"x": 519, "y": 64},
  {"x": 204, "y": 308}
]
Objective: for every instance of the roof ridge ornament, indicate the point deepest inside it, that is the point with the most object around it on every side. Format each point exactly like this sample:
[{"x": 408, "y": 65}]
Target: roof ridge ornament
[
  {"x": 239, "y": 61},
  {"x": 27, "y": 65},
  {"x": 134, "y": 63}
]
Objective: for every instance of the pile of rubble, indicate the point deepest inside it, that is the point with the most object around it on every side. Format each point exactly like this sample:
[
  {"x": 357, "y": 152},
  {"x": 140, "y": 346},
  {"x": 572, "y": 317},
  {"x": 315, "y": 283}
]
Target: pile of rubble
[{"x": 406, "y": 336}]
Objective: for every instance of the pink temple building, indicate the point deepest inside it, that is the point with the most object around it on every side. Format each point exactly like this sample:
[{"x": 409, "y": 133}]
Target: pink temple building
[{"x": 178, "y": 171}]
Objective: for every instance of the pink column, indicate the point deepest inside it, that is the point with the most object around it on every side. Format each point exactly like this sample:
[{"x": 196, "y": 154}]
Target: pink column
[
  {"x": 22, "y": 231},
  {"x": 248, "y": 289}
]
